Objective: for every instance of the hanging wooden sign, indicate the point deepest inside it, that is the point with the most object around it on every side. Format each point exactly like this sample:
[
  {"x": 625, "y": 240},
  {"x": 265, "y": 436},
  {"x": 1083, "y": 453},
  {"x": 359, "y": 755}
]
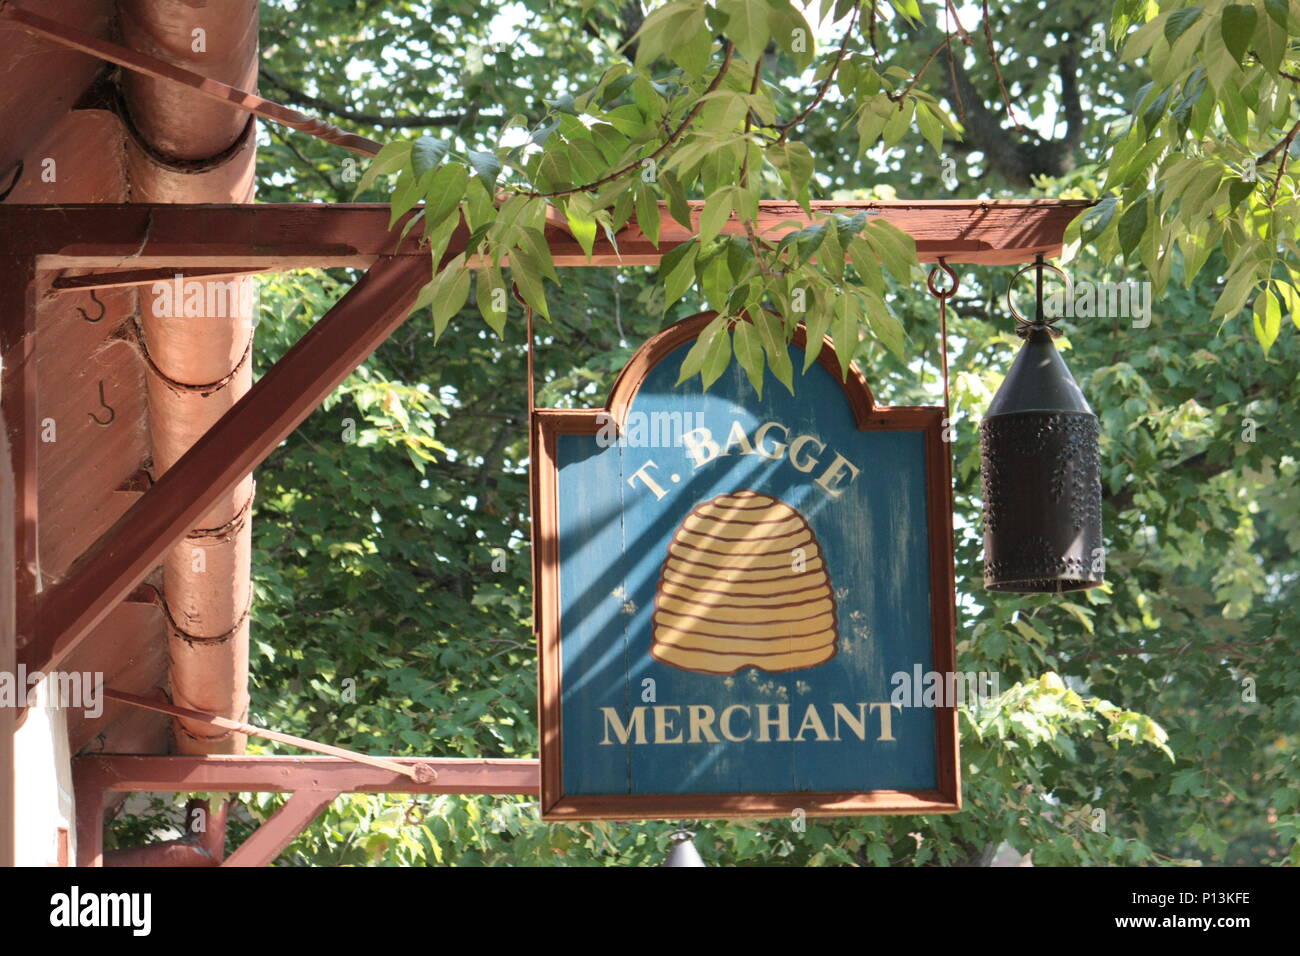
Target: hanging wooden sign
[{"x": 729, "y": 589}]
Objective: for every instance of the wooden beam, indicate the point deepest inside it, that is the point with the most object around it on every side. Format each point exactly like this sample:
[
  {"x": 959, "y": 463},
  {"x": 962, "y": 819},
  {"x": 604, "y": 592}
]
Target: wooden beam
[
  {"x": 99, "y": 774},
  {"x": 18, "y": 552},
  {"x": 269, "y": 840},
  {"x": 321, "y": 235},
  {"x": 88, "y": 792},
  {"x": 229, "y": 450},
  {"x": 270, "y": 774},
  {"x": 8, "y": 650}
]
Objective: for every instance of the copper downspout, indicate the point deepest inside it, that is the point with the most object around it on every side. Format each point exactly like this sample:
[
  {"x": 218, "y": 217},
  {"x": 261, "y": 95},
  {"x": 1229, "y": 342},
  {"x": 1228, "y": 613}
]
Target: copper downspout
[{"x": 186, "y": 147}]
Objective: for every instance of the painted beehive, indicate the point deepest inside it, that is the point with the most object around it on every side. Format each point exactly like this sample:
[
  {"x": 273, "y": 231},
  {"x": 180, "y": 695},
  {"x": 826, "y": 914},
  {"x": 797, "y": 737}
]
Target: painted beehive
[{"x": 744, "y": 585}]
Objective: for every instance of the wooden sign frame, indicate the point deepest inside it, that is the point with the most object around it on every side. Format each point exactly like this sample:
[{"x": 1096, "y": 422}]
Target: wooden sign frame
[{"x": 549, "y": 424}]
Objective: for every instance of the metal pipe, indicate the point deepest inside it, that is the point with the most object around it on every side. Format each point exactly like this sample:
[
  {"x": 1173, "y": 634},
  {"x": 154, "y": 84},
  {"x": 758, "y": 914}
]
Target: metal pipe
[
  {"x": 210, "y": 87},
  {"x": 196, "y": 336}
]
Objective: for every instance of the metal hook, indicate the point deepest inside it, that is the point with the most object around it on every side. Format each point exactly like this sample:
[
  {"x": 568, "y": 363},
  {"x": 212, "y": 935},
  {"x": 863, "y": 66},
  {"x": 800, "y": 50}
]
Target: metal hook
[
  {"x": 1024, "y": 325},
  {"x": 946, "y": 269},
  {"x": 95, "y": 299},
  {"x": 112, "y": 413}
]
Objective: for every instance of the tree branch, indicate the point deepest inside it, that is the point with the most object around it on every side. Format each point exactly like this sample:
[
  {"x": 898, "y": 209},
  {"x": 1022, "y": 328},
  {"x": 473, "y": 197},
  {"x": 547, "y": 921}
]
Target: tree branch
[
  {"x": 666, "y": 145},
  {"x": 303, "y": 98}
]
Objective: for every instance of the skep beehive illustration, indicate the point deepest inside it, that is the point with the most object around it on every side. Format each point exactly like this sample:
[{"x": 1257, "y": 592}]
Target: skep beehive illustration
[{"x": 734, "y": 592}]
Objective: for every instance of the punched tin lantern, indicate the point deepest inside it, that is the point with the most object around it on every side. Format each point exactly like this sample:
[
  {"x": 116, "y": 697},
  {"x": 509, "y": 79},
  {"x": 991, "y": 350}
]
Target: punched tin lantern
[{"x": 1040, "y": 464}]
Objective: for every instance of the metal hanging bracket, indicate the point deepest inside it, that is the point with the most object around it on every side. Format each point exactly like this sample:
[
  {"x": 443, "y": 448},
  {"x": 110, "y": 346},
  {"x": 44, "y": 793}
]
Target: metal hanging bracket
[{"x": 1040, "y": 321}]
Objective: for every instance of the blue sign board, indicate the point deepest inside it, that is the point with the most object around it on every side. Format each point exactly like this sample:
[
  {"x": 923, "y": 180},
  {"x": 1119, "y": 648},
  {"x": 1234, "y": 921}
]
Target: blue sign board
[{"x": 731, "y": 590}]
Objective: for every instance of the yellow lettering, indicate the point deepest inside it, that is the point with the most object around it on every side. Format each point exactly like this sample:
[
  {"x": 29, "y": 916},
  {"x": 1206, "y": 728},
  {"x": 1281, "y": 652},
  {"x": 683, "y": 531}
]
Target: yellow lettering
[
  {"x": 797, "y": 445},
  {"x": 664, "y": 727},
  {"x": 726, "y": 722}
]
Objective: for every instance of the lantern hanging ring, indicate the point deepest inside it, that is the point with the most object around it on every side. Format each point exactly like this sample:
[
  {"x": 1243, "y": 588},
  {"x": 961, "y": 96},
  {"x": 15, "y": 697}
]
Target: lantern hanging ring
[{"x": 1024, "y": 325}]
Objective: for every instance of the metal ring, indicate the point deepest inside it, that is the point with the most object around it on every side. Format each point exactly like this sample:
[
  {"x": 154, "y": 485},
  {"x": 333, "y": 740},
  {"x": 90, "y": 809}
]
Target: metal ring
[
  {"x": 1011, "y": 306},
  {"x": 947, "y": 270}
]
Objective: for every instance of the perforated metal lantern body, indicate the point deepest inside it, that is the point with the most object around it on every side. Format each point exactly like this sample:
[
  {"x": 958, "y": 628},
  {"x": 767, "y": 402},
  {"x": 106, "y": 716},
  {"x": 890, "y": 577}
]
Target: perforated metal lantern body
[{"x": 1041, "y": 470}]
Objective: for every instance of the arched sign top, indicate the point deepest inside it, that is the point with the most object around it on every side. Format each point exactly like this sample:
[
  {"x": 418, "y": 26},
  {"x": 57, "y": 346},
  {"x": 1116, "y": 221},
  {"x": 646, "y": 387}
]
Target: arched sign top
[
  {"x": 662, "y": 344},
  {"x": 729, "y": 586}
]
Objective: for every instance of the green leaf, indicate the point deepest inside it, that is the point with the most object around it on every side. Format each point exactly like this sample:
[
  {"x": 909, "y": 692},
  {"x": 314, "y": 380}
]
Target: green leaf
[
  {"x": 895, "y": 248},
  {"x": 405, "y": 196},
  {"x": 1096, "y": 219},
  {"x": 1154, "y": 111},
  {"x": 717, "y": 358},
  {"x": 1268, "y": 319},
  {"x": 694, "y": 360},
  {"x": 439, "y": 237},
  {"x": 931, "y": 127},
  {"x": 586, "y": 160},
  {"x": 389, "y": 160},
  {"x": 539, "y": 252},
  {"x": 911, "y": 10},
  {"x": 1029, "y": 632},
  {"x": 899, "y": 122},
  {"x": 795, "y": 162},
  {"x": 675, "y": 196},
  {"x": 663, "y": 29},
  {"x": 582, "y": 222},
  {"x": 809, "y": 239},
  {"x": 1238, "y": 27},
  {"x": 526, "y": 272},
  {"x": 1179, "y": 21},
  {"x": 831, "y": 255},
  {"x": 692, "y": 44},
  {"x": 1290, "y": 297},
  {"x": 815, "y": 328},
  {"x": 445, "y": 191},
  {"x": 844, "y": 332},
  {"x": 493, "y": 299},
  {"x": 450, "y": 292},
  {"x": 647, "y": 213},
  {"x": 885, "y": 325},
  {"x": 426, "y": 153},
  {"x": 677, "y": 271},
  {"x": 749, "y": 351},
  {"x": 717, "y": 209},
  {"x": 1238, "y": 190},
  {"x": 792, "y": 33},
  {"x": 715, "y": 278},
  {"x": 487, "y": 167},
  {"x": 771, "y": 333},
  {"x": 1132, "y": 225},
  {"x": 1241, "y": 281},
  {"x": 867, "y": 264},
  {"x": 746, "y": 25}
]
